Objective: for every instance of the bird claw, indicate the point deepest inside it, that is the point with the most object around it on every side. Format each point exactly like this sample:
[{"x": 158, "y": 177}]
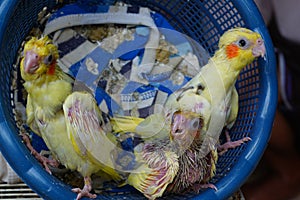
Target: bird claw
[
  {"x": 232, "y": 144},
  {"x": 46, "y": 162},
  {"x": 83, "y": 193},
  {"x": 199, "y": 186},
  {"x": 42, "y": 159}
]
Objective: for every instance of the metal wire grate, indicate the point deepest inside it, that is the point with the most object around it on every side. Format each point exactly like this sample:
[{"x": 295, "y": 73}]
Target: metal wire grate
[{"x": 17, "y": 191}]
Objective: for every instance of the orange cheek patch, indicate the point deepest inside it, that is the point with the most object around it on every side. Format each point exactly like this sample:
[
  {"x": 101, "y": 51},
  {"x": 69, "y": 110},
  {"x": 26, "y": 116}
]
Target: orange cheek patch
[
  {"x": 232, "y": 51},
  {"x": 51, "y": 69}
]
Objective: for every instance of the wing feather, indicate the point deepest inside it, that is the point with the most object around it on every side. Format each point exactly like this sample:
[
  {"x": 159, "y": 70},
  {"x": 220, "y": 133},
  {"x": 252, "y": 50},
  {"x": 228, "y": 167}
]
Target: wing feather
[{"x": 88, "y": 131}]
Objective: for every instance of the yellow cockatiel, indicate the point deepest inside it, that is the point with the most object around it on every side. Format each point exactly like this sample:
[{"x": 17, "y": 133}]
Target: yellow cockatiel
[
  {"x": 192, "y": 120},
  {"x": 69, "y": 122}
]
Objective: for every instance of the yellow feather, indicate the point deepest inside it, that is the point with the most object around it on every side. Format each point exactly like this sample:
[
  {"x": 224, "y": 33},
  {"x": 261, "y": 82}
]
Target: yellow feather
[
  {"x": 125, "y": 123},
  {"x": 154, "y": 126},
  {"x": 211, "y": 94},
  {"x": 153, "y": 181},
  {"x": 48, "y": 88}
]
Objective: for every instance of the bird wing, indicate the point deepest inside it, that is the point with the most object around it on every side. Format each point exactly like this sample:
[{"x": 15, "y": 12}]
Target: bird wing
[
  {"x": 88, "y": 131},
  {"x": 125, "y": 124},
  {"x": 153, "y": 126},
  {"x": 158, "y": 168},
  {"x": 233, "y": 108},
  {"x": 31, "y": 116}
]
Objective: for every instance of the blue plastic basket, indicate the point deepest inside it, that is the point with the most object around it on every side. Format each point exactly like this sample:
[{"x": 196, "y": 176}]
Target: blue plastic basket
[{"x": 204, "y": 21}]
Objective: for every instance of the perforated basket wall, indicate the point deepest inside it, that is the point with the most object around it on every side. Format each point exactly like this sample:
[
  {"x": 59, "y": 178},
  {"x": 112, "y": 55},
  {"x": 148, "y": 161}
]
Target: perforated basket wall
[{"x": 204, "y": 21}]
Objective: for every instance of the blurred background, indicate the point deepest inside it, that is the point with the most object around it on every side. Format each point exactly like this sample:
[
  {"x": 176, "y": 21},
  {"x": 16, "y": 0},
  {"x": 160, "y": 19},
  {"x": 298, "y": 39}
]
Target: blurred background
[{"x": 277, "y": 176}]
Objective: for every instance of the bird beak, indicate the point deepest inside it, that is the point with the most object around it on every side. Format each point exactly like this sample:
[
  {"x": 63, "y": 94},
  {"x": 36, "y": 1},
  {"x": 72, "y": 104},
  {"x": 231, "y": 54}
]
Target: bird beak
[
  {"x": 31, "y": 62},
  {"x": 183, "y": 130},
  {"x": 259, "y": 48}
]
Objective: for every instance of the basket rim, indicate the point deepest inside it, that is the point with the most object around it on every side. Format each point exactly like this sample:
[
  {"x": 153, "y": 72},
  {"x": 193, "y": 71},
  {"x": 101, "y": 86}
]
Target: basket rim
[{"x": 44, "y": 184}]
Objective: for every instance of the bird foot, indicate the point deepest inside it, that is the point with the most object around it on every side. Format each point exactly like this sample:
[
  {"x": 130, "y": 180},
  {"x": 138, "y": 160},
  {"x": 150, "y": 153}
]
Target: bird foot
[
  {"x": 42, "y": 159},
  {"x": 231, "y": 144},
  {"x": 85, "y": 192},
  {"x": 199, "y": 186}
]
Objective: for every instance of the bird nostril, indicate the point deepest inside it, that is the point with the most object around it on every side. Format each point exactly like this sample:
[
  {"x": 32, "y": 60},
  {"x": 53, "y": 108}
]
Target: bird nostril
[{"x": 259, "y": 41}]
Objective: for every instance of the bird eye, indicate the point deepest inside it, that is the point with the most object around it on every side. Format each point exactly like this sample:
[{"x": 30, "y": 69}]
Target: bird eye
[
  {"x": 48, "y": 59},
  {"x": 242, "y": 43},
  {"x": 195, "y": 124}
]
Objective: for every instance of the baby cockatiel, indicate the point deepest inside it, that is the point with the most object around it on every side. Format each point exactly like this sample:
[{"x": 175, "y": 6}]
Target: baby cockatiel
[
  {"x": 70, "y": 123},
  {"x": 210, "y": 97}
]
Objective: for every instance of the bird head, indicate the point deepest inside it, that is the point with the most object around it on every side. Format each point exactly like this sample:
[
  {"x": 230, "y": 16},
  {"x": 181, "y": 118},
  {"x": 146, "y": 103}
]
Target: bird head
[
  {"x": 241, "y": 46},
  {"x": 39, "y": 58},
  {"x": 185, "y": 127}
]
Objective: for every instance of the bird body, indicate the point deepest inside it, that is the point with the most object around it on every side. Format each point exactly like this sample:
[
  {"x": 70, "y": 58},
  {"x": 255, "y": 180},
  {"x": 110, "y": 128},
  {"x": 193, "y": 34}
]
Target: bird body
[
  {"x": 194, "y": 170},
  {"x": 180, "y": 146},
  {"x": 238, "y": 47},
  {"x": 158, "y": 157},
  {"x": 69, "y": 122},
  {"x": 157, "y": 165},
  {"x": 211, "y": 98}
]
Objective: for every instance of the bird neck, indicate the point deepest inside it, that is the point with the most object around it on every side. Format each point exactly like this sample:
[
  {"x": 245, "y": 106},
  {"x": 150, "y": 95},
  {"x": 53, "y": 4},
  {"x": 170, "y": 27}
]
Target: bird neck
[
  {"x": 33, "y": 81},
  {"x": 43, "y": 79},
  {"x": 229, "y": 68},
  {"x": 48, "y": 92}
]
